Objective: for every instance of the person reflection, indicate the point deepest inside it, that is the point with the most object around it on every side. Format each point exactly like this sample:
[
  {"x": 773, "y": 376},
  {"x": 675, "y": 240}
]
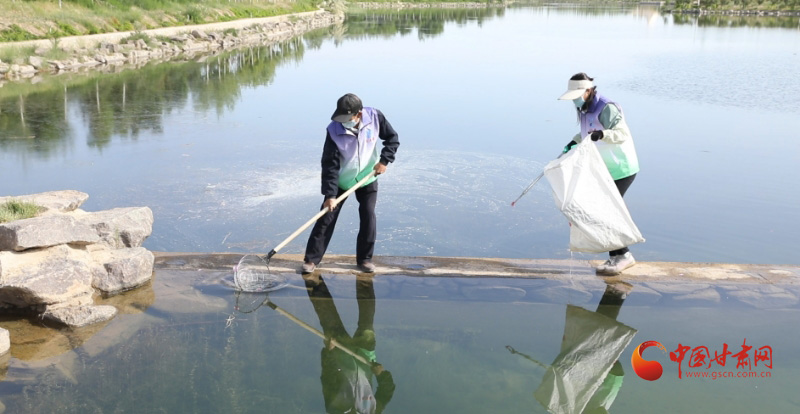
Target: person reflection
[
  {"x": 586, "y": 376},
  {"x": 349, "y": 364}
]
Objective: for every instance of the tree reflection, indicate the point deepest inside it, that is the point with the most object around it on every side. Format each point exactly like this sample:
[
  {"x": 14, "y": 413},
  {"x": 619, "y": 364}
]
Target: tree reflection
[
  {"x": 721, "y": 20},
  {"x": 38, "y": 118},
  {"x": 428, "y": 22},
  {"x": 41, "y": 119}
]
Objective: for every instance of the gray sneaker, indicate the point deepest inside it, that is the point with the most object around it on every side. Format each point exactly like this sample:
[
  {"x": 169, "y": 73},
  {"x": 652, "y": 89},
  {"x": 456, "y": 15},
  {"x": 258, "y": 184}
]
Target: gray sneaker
[
  {"x": 619, "y": 263},
  {"x": 367, "y": 267},
  {"x": 308, "y": 268},
  {"x": 602, "y": 268}
]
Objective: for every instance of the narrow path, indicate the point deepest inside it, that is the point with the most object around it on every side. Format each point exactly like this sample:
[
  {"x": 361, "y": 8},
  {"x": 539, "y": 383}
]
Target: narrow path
[{"x": 90, "y": 41}]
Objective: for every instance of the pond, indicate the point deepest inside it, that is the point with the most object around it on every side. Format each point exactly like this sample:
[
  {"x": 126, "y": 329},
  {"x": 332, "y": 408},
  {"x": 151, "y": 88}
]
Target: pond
[
  {"x": 226, "y": 149},
  {"x": 186, "y": 343}
]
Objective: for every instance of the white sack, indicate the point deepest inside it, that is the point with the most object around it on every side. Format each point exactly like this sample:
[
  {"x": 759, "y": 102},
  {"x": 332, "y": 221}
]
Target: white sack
[
  {"x": 592, "y": 343},
  {"x": 585, "y": 192}
]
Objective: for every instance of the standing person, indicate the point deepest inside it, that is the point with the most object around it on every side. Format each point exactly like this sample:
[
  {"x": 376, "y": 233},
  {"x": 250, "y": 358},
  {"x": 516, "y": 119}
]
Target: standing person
[
  {"x": 602, "y": 119},
  {"x": 351, "y": 153}
]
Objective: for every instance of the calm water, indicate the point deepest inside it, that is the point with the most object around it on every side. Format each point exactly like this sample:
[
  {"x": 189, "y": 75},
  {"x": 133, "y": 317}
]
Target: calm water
[
  {"x": 226, "y": 150},
  {"x": 447, "y": 343}
]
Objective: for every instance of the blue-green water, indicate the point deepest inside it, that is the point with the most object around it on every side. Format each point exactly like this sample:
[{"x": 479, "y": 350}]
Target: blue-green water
[
  {"x": 179, "y": 346},
  {"x": 226, "y": 150}
]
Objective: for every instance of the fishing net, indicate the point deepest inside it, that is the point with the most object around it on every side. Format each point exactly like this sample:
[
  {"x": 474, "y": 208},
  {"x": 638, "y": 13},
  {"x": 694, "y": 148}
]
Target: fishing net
[{"x": 252, "y": 274}]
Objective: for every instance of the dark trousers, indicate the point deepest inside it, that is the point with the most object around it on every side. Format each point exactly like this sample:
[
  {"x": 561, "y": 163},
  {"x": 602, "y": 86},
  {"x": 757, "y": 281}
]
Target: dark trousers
[
  {"x": 322, "y": 232},
  {"x": 622, "y": 185},
  {"x": 329, "y": 318}
]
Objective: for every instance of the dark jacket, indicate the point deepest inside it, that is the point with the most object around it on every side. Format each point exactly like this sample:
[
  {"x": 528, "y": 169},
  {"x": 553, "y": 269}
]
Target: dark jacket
[{"x": 332, "y": 159}]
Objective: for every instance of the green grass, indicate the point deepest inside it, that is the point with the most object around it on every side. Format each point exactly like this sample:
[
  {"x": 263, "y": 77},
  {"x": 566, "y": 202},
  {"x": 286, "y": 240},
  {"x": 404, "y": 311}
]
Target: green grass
[
  {"x": 17, "y": 210},
  {"x": 43, "y": 19},
  {"x": 137, "y": 36},
  {"x": 11, "y": 54},
  {"x": 15, "y": 34}
]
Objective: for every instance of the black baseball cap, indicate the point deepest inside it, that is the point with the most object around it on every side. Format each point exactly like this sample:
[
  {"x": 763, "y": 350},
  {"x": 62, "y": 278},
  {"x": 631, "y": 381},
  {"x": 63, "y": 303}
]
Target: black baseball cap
[{"x": 347, "y": 106}]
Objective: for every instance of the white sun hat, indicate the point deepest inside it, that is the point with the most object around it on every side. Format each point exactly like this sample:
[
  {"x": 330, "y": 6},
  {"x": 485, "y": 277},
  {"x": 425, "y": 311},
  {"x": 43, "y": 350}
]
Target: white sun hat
[{"x": 576, "y": 88}]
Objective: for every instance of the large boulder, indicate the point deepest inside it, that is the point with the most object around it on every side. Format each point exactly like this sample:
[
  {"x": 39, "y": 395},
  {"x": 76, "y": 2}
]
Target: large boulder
[
  {"x": 5, "y": 341},
  {"x": 77, "y": 316},
  {"x": 53, "y": 201},
  {"x": 125, "y": 268},
  {"x": 120, "y": 227},
  {"x": 45, "y": 231},
  {"x": 55, "y": 275}
]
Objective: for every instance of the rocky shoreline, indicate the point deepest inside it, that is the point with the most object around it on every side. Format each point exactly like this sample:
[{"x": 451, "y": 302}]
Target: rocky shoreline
[
  {"x": 52, "y": 265},
  {"x": 111, "y": 51}
]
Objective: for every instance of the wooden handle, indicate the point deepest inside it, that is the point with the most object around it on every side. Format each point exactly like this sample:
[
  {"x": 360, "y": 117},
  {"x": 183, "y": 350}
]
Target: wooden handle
[
  {"x": 321, "y": 213},
  {"x": 318, "y": 333}
]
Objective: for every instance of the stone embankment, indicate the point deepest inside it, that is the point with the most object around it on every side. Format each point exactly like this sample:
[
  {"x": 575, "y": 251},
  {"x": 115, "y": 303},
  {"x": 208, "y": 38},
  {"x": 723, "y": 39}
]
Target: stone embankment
[
  {"x": 402, "y": 5},
  {"x": 109, "y": 51},
  {"x": 53, "y": 264}
]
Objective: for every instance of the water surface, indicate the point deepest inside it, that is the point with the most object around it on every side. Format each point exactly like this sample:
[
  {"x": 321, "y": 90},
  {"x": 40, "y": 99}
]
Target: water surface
[{"x": 225, "y": 149}]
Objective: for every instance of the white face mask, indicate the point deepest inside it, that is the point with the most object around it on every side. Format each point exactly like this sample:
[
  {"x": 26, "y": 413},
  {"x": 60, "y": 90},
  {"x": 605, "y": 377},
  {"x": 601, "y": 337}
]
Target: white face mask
[
  {"x": 579, "y": 102},
  {"x": 349, "y": 124}
]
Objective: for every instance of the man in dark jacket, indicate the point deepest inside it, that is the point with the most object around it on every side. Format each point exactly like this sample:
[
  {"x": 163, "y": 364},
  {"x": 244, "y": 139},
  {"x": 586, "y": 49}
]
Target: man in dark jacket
[{"x": 350, "y": 154}]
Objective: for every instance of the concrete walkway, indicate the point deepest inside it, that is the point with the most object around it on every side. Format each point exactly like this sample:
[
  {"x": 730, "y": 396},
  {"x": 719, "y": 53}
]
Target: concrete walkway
[
  {"x": 673, "y": 272},
  {"x": 531, "y": 280},
  {"x": 90, "y": 41}
]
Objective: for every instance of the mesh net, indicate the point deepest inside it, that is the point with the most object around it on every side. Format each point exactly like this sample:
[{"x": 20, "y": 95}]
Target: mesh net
[{"x": 252, "y": 275}]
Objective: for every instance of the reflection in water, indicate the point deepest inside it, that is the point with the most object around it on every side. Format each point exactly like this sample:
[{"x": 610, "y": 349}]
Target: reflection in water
[
  {"x": 42, "y": 118},
  {"x": 38, "y": 118},
  {"x": 722, "y": 20},
  {"x": 429, "y": 22},
  {"x": 349, "y": 362},
  {"x": 586, "y": 376}
]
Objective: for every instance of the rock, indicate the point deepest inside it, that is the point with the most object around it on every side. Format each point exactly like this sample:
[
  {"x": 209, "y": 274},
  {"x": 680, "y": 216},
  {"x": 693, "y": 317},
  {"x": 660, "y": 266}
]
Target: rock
[
  {"x": 45, "y": 231},
  {"x": 100, "y": 58},
  {"x": 115, "y": 58},
  {"x": 198, "y": 34},
  {"x": 125, "y": 268},
  {"x": 15, "y": 68},
  {"x": 36, "y": 61},
  {"x": 88, "y": 61},
  {"x": 77, "y": 316},
  {"x": 57, "y": 65},
  {"x": 4, "y": 360},
  {"x": 141, "y": 44},
  {"x": 26, "y": 70},
  {"x": 131, "y": 302},
  {"x": 564, "y": 293},
  {"x": 765, "y": 297},
  {"x": 5, "y": 341},
  {"x": 53, "y": 201},
  {"x": 121, "y": 227},
  {"x": 700, "y": 297},
  {"x": 55, "y": 275},
  {"x": 494, "y": 293}
]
